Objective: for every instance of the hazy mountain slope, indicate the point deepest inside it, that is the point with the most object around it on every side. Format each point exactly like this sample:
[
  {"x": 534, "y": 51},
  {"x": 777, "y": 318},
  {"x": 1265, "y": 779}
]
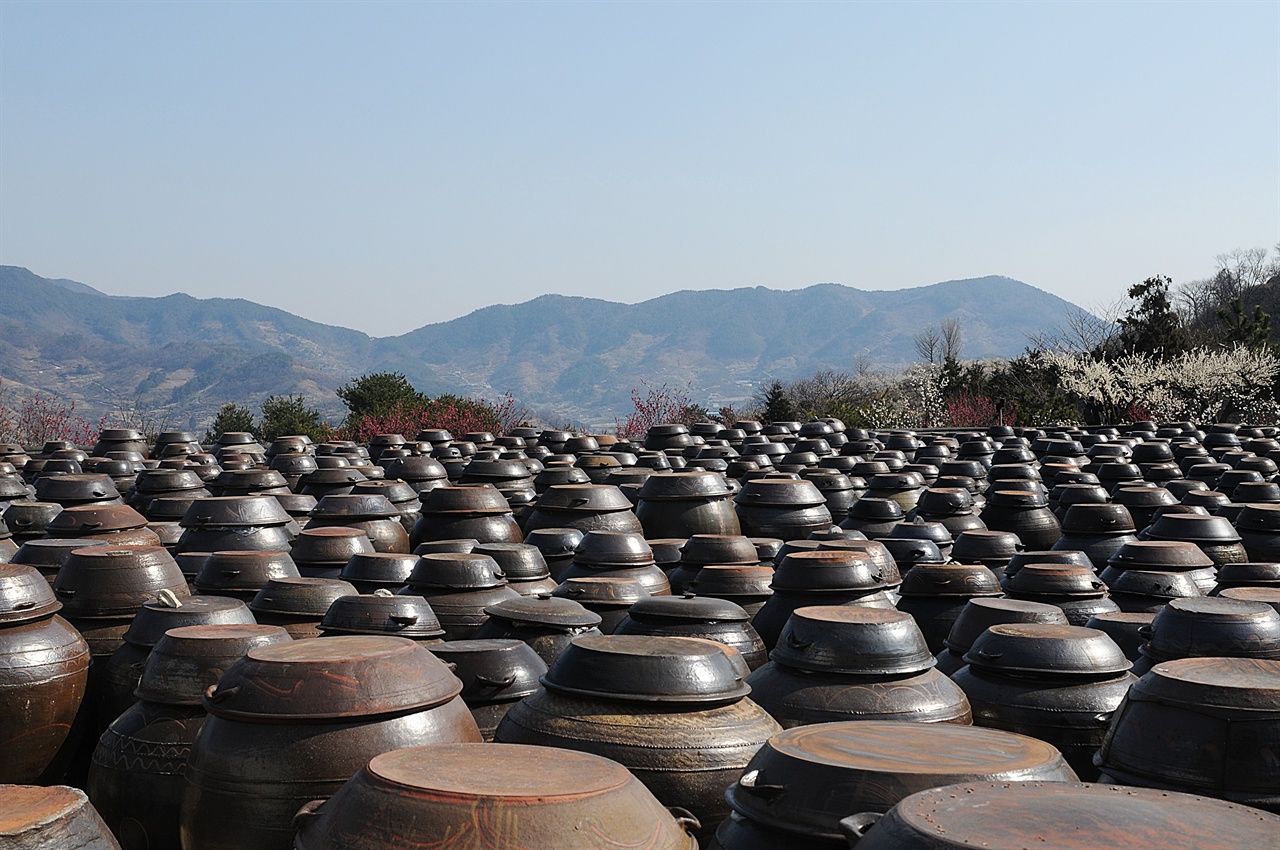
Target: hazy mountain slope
[{"x": 565, "y": 357}]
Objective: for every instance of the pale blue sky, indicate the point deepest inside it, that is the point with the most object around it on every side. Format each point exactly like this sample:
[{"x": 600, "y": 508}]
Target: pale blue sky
[{"x": 385, "y": 165}]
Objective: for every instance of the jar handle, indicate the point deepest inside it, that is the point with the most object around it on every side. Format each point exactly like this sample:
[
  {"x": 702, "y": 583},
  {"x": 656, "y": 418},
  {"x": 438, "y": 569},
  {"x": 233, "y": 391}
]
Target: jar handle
[
  {"x": 215, "y": 694},
  {"x": 505, "y": 682},
  {"x": 685, "y": 819},
  {"x": 309, "y": 811},
  {"x": 856, "y": 827}
]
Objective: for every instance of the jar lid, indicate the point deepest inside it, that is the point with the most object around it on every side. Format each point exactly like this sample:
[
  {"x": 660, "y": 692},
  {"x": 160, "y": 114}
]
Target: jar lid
[
  {"x": 330, "y": 678},
  {"x": 642, "y": 668}
]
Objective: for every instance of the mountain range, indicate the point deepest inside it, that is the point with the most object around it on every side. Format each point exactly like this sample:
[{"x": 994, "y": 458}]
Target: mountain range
[{"x": 569, "y": 359}]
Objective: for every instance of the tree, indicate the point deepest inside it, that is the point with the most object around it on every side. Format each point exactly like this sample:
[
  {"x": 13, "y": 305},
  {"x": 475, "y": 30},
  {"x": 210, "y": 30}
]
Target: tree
[
  {"x": 230, "y": 417},
  {"x": 1151, "y": 325},
  {"x": 1252, "y": 330},
  {"x": 929, "y": 344},
  {"x": 286, "y": 415},
  {"x": 952, "y": 339},
  {"x": 775, "y": 403},
  {"x": 378, "y": 393}
]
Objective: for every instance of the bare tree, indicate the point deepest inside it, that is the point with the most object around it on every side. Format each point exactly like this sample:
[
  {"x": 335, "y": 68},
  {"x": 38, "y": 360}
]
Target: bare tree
[
  {"x": 929, "y": 344},
  {"x": 1080, "y": 331},
  {"x": 952, "y": 339}
]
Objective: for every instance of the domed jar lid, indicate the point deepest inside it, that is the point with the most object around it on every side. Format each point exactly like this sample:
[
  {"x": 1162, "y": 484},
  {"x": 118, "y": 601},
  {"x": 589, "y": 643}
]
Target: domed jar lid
[
  {"x": 494, "y": 670},
  {"x": 829, "y": 570},
  {"x": 640, "y": 668},
  {"x": 355, "y": 506},
  {"x": 385, "y": 568},
  {"x": 1064, "y": 815},
  {"x": 167, "y": 611},
  {"x": 300, "y": 597},
  {"x": 544, "y": 610},
  {"x": 613, "y": 548},
  {"x": 555, "y": 542},
  {"x": 703, "y": 549},
  {"x": 1213, "y": 626},
  {"x": 25, "y": 595},
  {"x": 728, "y": 581},
  {"x": 1020, "y": 648},
  {"x": 1057, "y": 580},
  {"x": 456, "y": 571},
  {"x": 1169, "y": 555},
  {"x": 853, "y": 640},
  {"x": 808, "y": 778},
  {"x": 780, "y": 491},
  {"x": 602, "y": 591},
  {"x": 187, "y": 660},
  {"x": 1155, "y": 585},
  {"x": 967, "y": 580},
  {"x": 920, "y": 529},
  {"x": 584, "y": 498},
  {"x": 688, "y": 609},
  {"x": 244, "y": 569},
  {"x": 332, "y": 678},
  {"x": 382, "y": 613},
  {"x": 684, "y": 486},
  {"x": 520, "y": 561},
  {"x": 1193, "y": 528},
  {"x": 1097, "y": 519},
  {"x": 983, "y": 612},
  {"x": 114, "y": 581},
  {"x": 1259, "y": 517},
  {"x": 465, "y": 499},
  {"x": 875, "y": 509},
  {"x": 564, "y": 799},
  {"x": 95, "y": 519},
  {"x": 234, "y": 511}
]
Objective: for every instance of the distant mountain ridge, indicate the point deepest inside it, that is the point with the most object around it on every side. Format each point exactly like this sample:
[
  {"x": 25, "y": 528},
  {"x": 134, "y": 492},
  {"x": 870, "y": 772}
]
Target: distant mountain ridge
[{"x": 569, "y": 358}]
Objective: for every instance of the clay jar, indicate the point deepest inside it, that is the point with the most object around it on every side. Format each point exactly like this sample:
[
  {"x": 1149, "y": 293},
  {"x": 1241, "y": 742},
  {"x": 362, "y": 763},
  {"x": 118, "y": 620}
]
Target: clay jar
[
  {"x": 1202, "y": 725},
  {"x": 546, "y": 623},
  {"x": 1097, "y": 530},
  {"x": 1056, "y": 683},
  {"x": 851, "y": 663},
  {"x": 459, "y": 586},
  {"x": 1075, "y": 589},
  {"x": 618, "y": 553},
  {"x": 122, "y": 670},
  {"x": 298, "y": 604},
  {"x": 782, "y": 508},
  {"x": 565, "y": 800},
  {"x": 44, "y": 669},
  {"x": 56, "y": 818},
  {"x": 682, "y": 504},
  {"x": 983, "y": 612},
  {"x": 1213, "y": 534},
  {"x": 496, "y": 674},
  {"x": 118, "y": 525},
  {"x": 672, "y": 710},
  {"x": 135, "y": 779},
  {"x": 375, "y": 515},
  {"x": 325, "y": 552},
  {"x": 820, "y": 577},
  {"x": 101, "y": 589},
  {"x": 698, "y": 617},
  {"x": 1026, "y": 514},
  {"x": 875, "y": 518},
  {"x": 586, "y": 507},
  {"x": 702, "y": 550},
  {"x": 607, "y": 595},
  {"x": 290, "y": 723},
  {"x": 800, "y": 785},
  {"x": 935, "y": 594},
  {"x": 476, "y": 511},
  {"x": 235, "y": 522},
  {"x": 241, "y": 574}
]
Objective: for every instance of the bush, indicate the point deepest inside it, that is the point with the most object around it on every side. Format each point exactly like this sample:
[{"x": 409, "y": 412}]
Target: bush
[
  {"x": 286, "y": 415},
  {"x": 455, "y": 414},
  {"x": 34, "y": 420},
  {"x": 230, "y": 417}
]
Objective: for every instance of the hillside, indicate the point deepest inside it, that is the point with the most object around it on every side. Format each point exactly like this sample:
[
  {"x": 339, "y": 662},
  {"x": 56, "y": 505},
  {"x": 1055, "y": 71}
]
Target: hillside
[{"x": 568, "y": 358}]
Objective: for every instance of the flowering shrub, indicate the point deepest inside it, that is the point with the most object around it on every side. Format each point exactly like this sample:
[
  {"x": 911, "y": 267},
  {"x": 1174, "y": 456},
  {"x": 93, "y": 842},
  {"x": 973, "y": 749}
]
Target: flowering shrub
[
  {"x": 457, "y": 415},
  {"x": 967, "y": 410},
  {"x": 657, "y": 406},
  {"x": 40, "y": 418},
  {"x": 1200, "y": 385}
]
